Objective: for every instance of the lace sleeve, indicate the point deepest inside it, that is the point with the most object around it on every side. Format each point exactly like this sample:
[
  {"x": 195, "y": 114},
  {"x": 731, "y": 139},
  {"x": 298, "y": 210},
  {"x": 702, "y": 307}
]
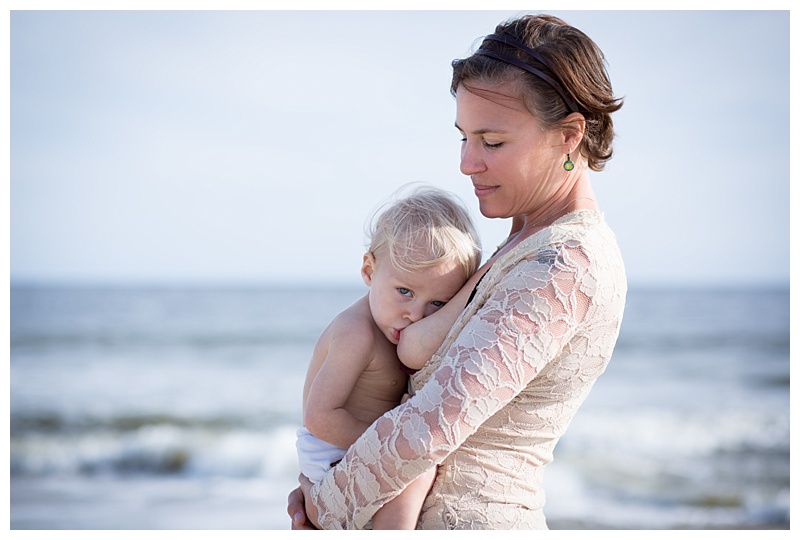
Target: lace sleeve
[{"x": 530, "y": 314}]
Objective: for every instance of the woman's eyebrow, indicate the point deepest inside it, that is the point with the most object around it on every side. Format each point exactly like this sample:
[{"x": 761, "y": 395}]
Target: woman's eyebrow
[{"x": 481, "y": 131}]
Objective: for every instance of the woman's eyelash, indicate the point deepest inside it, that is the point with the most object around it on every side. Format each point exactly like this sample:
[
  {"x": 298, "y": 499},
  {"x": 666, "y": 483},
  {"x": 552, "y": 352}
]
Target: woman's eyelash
[{"x": 486, "y": 144}]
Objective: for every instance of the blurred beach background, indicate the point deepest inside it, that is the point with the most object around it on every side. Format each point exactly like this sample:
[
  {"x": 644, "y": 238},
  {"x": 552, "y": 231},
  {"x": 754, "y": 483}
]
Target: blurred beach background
[
  {"x": 177, "y": 408},
  {"x": 188, "y": 194}
]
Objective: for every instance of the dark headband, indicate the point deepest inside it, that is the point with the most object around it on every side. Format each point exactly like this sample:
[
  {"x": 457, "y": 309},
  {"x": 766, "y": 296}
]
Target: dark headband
[{"x": 502, "y": 38}]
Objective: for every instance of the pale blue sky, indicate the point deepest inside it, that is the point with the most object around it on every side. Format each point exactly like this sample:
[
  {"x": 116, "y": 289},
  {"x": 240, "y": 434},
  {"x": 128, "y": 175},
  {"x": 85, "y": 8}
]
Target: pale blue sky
[{"x": 189, "y": 147}]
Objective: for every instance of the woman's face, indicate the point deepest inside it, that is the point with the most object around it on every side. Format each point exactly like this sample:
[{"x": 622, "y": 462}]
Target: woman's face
[{"x": 514, "y": 164}]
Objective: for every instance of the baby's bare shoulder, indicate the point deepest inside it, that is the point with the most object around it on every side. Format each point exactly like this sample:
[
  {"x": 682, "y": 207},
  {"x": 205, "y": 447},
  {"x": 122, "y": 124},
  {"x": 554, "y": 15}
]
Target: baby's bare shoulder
[{"x": 354, "y": 329}]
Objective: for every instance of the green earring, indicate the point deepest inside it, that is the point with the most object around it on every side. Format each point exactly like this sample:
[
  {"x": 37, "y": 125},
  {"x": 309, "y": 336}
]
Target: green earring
[{"x": 568, "y": 165}]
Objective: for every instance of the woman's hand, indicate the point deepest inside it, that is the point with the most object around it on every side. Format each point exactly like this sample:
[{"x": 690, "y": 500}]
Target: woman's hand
[
  {"x": 297, "y": 507},
  {"x": 312, "y": 515}
]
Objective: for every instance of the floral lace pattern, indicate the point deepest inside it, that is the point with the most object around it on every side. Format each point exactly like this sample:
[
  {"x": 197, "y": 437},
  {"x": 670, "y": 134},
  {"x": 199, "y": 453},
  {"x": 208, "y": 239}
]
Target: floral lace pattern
[{"x": 490, "y": 406}]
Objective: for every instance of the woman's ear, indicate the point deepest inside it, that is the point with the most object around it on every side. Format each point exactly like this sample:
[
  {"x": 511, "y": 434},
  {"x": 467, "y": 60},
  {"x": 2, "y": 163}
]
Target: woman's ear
[
  {"x": 573, "y": 127},
  {"x": 367, "y": 268}
]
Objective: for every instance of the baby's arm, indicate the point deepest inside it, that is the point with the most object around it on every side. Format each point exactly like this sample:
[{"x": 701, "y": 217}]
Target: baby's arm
[
  {"x": 349, "y": 353},
  {"x": 419, "y": 341}
]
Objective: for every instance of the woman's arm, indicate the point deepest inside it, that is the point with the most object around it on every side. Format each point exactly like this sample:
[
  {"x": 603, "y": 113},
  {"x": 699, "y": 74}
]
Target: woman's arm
[
  {"x": 419, "y": 341},
  {"x": 527, "y": 319}
]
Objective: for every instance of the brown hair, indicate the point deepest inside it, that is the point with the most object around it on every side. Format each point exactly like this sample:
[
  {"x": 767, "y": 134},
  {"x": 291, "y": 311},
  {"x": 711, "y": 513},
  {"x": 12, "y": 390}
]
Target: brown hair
[{"x": 570, "y": 57}]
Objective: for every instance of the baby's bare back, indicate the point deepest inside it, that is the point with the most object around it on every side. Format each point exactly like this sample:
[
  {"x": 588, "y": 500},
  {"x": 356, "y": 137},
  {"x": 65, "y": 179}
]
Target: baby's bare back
[
  {"x": 379, "y": 388},
  {"x": 371, "y": 372}
]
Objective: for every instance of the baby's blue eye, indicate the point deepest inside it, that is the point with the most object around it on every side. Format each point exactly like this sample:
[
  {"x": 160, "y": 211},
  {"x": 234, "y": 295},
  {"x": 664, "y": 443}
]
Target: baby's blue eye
[
  {"x": 438, "y": 303},
  {"x": 403, "y": 291}
]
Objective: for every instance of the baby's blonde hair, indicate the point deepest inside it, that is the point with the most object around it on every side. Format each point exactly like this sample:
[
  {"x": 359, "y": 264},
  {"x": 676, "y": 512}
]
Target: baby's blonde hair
[{"x": 425, "y": 228}]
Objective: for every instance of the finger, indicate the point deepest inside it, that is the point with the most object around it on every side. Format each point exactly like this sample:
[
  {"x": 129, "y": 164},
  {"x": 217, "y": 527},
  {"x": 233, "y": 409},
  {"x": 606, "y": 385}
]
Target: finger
[
  {"x": 305, "y": 485},
  {"x": 296, "y": 507},
  {"x": 301, "y": 526},
  {"x": 310, "y": 511}
]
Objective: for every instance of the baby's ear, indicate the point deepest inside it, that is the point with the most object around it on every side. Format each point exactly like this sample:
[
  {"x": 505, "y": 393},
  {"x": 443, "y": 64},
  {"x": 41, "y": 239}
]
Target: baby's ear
[{"x": 367, "y": 268}]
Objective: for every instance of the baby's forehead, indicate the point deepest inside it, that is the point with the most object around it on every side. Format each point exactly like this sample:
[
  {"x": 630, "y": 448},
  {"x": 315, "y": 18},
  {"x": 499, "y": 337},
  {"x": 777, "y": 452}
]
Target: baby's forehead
[{"x": 425, "y": 272}]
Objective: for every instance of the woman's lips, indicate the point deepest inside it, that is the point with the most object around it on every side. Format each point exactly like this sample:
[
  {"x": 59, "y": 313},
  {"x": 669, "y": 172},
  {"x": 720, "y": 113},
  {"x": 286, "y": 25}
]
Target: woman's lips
[{"x": 483, "y": 190}]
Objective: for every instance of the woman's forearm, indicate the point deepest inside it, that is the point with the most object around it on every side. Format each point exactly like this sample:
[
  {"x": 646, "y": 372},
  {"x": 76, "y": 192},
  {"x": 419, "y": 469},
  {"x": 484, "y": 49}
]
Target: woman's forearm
[{"x": 420, "y": 341}]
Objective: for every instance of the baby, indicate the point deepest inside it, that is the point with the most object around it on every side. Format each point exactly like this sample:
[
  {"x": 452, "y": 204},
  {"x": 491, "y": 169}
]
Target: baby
[{"x": 422, "y": 250}]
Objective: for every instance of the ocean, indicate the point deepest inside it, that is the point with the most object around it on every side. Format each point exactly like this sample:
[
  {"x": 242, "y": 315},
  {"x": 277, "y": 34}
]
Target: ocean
[{"x": 176, "y": 408}]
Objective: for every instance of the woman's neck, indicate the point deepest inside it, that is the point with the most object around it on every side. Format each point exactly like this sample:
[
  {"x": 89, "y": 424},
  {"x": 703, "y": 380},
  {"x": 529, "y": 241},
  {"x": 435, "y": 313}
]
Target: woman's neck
[{"x": 579, "y": 196}]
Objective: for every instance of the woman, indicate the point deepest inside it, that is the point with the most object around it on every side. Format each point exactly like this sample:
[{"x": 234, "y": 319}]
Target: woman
[{"x": 533, "y": 105}]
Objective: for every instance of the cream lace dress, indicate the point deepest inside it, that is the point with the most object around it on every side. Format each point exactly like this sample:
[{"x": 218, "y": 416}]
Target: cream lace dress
[{"x": 490, "y": 406}]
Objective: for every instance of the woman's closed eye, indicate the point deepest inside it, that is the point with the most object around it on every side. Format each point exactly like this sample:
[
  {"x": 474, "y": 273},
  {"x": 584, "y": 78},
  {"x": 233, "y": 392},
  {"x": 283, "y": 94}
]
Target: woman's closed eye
[{"x": 485, "y": 143}]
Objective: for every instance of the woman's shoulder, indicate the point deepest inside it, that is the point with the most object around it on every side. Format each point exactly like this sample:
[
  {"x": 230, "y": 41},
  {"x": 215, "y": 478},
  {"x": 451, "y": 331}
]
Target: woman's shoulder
[
  {"x": 579, "y": 224},
  {"x": 586, "y": 229},
  {"x": 580, "y": 239}
]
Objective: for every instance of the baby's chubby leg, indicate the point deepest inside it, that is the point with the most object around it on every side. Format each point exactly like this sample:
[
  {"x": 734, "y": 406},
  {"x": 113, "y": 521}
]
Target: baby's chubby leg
[{"x": 402, "y": 512}]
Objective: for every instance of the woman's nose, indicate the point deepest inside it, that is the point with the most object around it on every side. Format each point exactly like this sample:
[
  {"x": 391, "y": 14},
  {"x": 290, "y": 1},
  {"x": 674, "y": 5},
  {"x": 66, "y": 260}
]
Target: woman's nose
[{"x": 471, "y": 162}]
